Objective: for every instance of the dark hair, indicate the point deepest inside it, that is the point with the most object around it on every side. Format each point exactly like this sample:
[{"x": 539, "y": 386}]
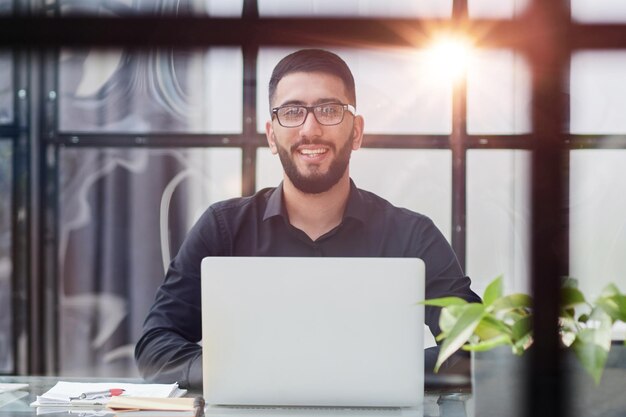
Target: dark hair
[{"x": 313, "y": 60}]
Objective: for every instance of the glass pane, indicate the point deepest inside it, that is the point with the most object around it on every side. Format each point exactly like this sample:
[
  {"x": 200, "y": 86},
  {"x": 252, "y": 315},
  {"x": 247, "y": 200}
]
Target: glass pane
[
  {"x": 598, "y": 92},
  {"x": 597, "y": 247},
  {"x": 498, "y": 218},
  {"x": 393, "y": 179},
  {"x": 6, "y": 248},
  {"x": 597, "y": 222},
  {"x": 400, "y": 168},
  {"x": 398, "y": 91},
  {"x": 217, "y": 8},
  {"x": 6, "y": 88},
  {"x": 6, "y": 7},
  {"x": 498, "y": 93},
  {"x": 601, "y": 11},
  {"x": 496, "y": 9},
  {"x": 123, "y": 215},
  {"x": 360, "y": 8},
  {"x": 152, "y": 91}
]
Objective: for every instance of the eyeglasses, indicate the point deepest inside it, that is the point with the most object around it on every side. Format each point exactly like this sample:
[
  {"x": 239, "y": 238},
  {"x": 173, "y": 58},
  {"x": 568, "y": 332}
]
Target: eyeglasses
[{"x": 327, "y": 114}]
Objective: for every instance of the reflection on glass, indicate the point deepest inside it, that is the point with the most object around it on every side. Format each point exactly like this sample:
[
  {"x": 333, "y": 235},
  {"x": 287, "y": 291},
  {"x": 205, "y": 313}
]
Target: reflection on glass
[
  {"x": 399, "y": 91},
  {"x": 496, "y": 9},
  {"x": 597, "y": 222},
  {"x": 6, "y": 7},
  {"x": 498, "y": 93},
  {"x": 6, "y": 88},
  {"x": 360, "y": 8},
  {"x": 599, "y": 11},
  {"x": 598, "y": 92},
  {"x": 123, "y": 214},
  {"x": 6, "y": 264},
  {"x": 395, "y": 174},
  {"x": 217, "y": 8},
  {"x": 597, "y": 247},
  {"x": 498, "y": 218},
  {"x": 151, "y": 91}
]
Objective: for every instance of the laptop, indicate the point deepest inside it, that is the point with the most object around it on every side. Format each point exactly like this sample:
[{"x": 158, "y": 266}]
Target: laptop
[{"x": 312, "y": 332}]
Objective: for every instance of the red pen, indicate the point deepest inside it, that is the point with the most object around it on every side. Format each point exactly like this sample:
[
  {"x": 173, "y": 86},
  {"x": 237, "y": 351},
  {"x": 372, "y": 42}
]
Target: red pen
[{"x": 113, "y": 392}]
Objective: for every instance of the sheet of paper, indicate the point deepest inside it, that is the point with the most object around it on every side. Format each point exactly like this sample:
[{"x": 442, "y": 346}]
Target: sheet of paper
[
  {"x": 65, "y": 393},
  {"x": 8, "y": 387}
]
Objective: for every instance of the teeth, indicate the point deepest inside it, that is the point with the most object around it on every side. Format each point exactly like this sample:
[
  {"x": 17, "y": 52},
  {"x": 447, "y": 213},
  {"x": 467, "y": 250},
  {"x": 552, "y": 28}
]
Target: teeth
[{"x": 313, "y": 151}]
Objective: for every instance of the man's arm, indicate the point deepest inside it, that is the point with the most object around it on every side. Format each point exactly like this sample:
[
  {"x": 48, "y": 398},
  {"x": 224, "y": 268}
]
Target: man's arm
[
  {"x": 444, "y": 275},
  {"x": 168, "y": 350}
]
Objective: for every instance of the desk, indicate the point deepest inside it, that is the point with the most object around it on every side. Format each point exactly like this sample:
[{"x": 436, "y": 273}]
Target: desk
[{"x": 437, "y": 403}]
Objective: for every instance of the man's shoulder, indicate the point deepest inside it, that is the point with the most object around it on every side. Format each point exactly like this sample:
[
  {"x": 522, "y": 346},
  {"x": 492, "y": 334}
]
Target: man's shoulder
[
  {"x": 380, "y": 205},
  {"x": 231, "y": 205}
]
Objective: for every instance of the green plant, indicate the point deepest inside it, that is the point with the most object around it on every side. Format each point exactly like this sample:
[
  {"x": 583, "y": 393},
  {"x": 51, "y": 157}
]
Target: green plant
[{"x": 584, "y": 327}]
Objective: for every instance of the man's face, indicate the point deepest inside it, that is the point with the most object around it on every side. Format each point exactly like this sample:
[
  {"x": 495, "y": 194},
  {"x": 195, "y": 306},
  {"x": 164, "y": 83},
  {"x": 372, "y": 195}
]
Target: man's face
[{"x": 315, "y": 157}]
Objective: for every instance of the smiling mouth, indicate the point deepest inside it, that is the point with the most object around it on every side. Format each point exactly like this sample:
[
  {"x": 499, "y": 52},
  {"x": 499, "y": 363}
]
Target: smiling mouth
[{"x": 313, "y": 152}]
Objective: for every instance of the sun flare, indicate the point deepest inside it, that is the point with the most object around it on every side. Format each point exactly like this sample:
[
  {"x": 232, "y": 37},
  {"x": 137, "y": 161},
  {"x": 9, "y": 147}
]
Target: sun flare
[{"x": 449, "y": 57}]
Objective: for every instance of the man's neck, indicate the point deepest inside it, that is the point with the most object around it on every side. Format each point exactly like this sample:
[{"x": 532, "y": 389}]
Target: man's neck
[{"x": 316, "y": 214}]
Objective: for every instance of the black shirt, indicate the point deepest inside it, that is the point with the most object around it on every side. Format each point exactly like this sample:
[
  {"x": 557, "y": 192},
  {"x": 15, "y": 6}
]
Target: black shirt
[{"x": 259, "y": 226}]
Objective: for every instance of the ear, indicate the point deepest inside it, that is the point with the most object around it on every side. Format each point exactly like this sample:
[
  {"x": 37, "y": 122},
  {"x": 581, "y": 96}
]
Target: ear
[
  {"x": 271, "y": 139},
  {"x": 357, "y": 132}
]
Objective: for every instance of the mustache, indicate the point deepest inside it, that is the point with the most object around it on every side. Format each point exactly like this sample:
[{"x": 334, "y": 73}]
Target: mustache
[{"x": 322, "y": 142}]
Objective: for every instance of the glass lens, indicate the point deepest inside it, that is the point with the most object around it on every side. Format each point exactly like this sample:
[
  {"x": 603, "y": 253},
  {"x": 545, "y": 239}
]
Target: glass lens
[
  {"x": 291, "y": 116},
  {"x": 329, "y": 114}
]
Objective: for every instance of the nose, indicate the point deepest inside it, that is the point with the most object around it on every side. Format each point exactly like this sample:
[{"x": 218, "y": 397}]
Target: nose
[{"x": 311, "y": 127}]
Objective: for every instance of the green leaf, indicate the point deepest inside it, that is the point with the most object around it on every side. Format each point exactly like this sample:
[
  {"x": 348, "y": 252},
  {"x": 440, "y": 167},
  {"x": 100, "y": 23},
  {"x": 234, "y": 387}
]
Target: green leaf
[
  {"x": 461, "y": 331},
  {"x": 571, "y": 297},
  {"x": 592, "y": 356},
  {"x": 493, "y": 291},
  {"x": 614, "y": 305},
  {"x": 511, "y": 302},
  {"x": 609, "y": 290},
  {"x": 443, "y": 301},
  {"x": 569, "y": 282},
  {"x": 522, "y": 328},
  {"x": 592, "y": 344},
  {"x": 490, "y": 327},
  {"x": 522, "y": 344},
  {"x": 488, "y": 344},
  {"x": 449, "y": 316}
]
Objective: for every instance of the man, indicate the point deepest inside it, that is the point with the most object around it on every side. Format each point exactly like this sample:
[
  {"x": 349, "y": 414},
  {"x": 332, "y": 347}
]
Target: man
[{"x": 316, "y": 211}]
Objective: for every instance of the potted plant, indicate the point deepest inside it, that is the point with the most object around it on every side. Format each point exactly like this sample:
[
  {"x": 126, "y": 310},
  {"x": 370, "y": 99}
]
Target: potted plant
[{"x": 502, "y": 323}]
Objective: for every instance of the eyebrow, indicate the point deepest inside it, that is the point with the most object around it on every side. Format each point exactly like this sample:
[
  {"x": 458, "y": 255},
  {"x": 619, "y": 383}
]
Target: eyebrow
[{"x": 315, "y": 103}]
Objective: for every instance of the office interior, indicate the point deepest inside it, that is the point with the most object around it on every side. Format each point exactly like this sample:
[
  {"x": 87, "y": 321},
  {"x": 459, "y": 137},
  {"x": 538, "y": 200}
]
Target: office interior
[{"x": 502, "y": 120}]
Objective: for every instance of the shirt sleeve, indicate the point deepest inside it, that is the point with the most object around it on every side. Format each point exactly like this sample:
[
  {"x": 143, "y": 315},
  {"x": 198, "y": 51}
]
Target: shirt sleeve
[
  {"x": 444, "y": 275},
  {"x": 169, "y": 350}
]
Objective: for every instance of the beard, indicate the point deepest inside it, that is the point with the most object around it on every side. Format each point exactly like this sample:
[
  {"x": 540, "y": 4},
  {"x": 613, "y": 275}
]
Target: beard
[{"x": 316, "y": 182}]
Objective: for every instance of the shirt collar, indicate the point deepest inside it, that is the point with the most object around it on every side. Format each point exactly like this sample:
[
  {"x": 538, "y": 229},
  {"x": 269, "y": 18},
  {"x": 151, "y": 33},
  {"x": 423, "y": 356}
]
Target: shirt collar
[
  {"x": 275, "y": 206},
  {"x": 355, "y": 208}
]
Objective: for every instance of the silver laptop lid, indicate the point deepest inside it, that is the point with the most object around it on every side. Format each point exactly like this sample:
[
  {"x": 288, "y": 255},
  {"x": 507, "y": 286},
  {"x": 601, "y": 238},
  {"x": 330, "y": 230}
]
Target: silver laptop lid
[{"x": 313, "y": 331}]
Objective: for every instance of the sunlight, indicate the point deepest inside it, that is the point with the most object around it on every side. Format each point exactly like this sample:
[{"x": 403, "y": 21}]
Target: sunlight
[{"x": 448, "y": 58}]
